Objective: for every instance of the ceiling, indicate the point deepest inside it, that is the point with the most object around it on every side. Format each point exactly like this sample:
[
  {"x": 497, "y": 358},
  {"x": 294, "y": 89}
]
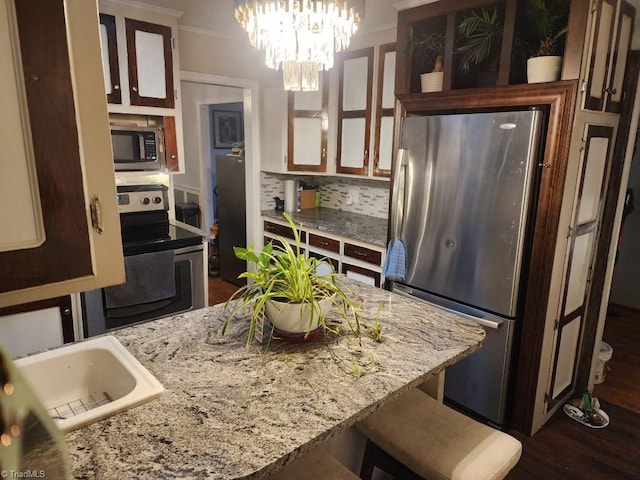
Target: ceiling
[{"x": 217, "y": 16}]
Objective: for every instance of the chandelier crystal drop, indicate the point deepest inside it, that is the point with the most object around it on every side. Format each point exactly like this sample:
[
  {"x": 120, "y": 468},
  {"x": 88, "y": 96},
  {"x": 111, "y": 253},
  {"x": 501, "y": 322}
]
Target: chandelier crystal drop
[{"x": 300, "y": 36}]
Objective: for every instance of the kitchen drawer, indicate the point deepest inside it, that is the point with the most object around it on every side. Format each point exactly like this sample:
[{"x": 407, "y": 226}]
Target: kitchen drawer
[
  {"x": 362, "y": 253},
  {"x": 361, "y": 274},
  {"x": 283, "y": 231},
  {"x": 278, "y": 242},
  {"x": 331, "y": 260},
  {"x": 324, "y": 243}
]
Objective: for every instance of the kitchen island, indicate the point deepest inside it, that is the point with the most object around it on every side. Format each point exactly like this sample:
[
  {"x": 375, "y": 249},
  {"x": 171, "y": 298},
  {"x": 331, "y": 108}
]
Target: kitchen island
[{"x": 231, "y": 412}]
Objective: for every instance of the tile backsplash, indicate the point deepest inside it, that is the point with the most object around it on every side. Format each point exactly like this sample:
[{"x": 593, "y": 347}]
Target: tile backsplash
[{"x": 373, "y": 195}]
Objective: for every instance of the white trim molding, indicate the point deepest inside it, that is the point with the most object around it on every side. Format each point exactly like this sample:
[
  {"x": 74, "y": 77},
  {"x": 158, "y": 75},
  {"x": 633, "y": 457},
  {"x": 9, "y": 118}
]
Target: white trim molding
[{"x": 145, "y": 6}]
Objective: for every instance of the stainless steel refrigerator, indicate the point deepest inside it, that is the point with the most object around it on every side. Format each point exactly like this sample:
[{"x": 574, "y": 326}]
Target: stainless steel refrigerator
[
  {"x": 232, "y": 218},
  {"x": 462, "y": 190}
]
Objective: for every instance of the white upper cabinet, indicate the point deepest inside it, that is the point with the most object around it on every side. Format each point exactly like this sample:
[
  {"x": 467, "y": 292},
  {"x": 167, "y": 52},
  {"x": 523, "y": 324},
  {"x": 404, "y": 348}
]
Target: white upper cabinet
[
  {"x": 355, "y": 73},
  {"x": 350, "y": 119},
  {"x": 307, "y": 131},
  {"x": 384, "y": 111},
  {"x": 139, "y": 58},
  {"x": 611, "y": 32},
  {"x": 141, "y": 68},
  {"x": 366, "y": 102}
]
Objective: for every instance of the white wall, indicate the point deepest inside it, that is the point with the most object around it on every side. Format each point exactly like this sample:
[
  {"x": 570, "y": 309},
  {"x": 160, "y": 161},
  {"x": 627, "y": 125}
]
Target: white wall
[
  {"x": 197, "y": 176},
  {"x": 626, "y": 274}
]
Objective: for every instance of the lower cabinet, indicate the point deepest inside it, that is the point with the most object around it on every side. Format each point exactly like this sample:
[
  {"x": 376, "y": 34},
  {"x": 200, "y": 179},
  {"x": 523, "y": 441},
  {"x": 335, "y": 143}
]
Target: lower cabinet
[
  {"x": 356, "y": 261},
  {"x": 361, "y": 274},
  {"x": 37, "y": 326}
]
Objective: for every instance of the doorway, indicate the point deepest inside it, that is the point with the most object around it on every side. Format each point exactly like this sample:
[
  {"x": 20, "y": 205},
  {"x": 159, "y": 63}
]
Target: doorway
[{"x": 226, "y": 129}]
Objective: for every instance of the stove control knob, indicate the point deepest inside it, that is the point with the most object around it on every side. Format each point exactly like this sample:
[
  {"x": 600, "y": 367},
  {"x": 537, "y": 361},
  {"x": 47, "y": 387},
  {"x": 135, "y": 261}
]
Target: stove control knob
[
  {"x": 157, "y": 200},
  {"x": 145, "y": 200}
]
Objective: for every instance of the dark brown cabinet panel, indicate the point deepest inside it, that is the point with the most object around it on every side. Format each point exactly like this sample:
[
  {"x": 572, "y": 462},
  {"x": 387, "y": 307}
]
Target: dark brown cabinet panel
[
  {"x": 362, "y": 253},
  {"x": 443, "y": 18},
  {"x": 283, "y": 231},
  {"x": 60, "y": 74},
  {"x": 361, "y": 272},
  {"x": 66, "y": 252},
  {"x": 171, "y": 144},
  {"x": 324, "y": 242}
]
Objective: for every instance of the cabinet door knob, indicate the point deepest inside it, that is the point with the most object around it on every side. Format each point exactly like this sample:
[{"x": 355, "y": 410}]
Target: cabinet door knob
[
  {"x": 173, "y": 157},
  {"x": 135, "y": 89},
  {"x": 116, "y": 87},
  {"x": 611, "y": 91},
  {"x": 66, "y": 312}
]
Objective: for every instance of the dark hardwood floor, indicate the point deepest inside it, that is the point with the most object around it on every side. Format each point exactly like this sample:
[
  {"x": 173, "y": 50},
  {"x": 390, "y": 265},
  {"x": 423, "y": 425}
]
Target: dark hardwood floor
[
  {"x": 565, "y": 449},
  {"x": 219, "y": 290}
]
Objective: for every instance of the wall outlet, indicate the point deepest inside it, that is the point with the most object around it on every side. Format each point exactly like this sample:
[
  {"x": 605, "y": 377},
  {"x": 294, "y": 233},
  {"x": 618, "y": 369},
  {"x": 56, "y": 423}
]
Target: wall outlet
[{"x": 353, "y": 195}]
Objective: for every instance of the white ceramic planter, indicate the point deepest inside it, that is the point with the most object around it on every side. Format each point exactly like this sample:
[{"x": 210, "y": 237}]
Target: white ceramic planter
[
  {"x": 294, "y": 317},
  {"x": 431, "y": 82},
  {"x": 544, "y": 69}
]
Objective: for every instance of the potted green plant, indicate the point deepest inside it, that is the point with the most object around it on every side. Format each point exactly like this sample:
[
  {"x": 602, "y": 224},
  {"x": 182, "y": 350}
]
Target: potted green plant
[
  {"x": 428, "y": 50},
  {"x": 480, "y": 41},
  {"x": 286, "y": 287},
  {"x": 548, "y": 18}
]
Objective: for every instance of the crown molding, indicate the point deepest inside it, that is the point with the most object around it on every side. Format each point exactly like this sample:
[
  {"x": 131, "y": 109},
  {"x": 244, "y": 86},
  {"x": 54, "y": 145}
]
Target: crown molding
[
  {"x": 405, "y": 4},
  {"x": 145, "y": 6},
  {"x": 205, "y": 31}
]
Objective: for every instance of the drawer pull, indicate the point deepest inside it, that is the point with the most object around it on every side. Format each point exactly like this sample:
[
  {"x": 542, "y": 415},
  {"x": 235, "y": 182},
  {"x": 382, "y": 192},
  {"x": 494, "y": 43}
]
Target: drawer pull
[{"x": 360, "y": 254}]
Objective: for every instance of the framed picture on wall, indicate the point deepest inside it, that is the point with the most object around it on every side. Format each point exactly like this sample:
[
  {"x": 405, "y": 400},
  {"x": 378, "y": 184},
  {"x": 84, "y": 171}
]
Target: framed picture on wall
[{"x": 227, "y": 128}]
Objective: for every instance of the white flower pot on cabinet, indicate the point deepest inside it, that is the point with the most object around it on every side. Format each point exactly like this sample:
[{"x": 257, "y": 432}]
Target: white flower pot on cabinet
[
  {"x": 431, "y": 82},
  {"x": 544, "y": 69}
]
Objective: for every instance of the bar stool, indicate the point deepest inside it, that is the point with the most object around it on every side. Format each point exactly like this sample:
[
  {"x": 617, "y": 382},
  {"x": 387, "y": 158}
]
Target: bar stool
[
  {"x": 415, "y": 437},
  {"x": 318, "y": 464}
]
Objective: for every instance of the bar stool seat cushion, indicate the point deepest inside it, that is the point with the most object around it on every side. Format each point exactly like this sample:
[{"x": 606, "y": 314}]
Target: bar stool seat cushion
[
  {"x": 438, "y": 442},
  {"x": 318, "y": 464}
]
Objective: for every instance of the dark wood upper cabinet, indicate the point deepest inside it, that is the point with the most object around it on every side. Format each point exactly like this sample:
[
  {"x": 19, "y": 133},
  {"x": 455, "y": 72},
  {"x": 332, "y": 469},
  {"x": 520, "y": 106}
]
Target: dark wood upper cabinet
[
  {"x": 150, "y": 64},
  {"x": 442, "y": 19},
  {"x": 66, "y": 129}
]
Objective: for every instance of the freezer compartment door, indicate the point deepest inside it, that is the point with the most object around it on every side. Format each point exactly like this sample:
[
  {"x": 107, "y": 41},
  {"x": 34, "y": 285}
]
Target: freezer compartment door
[
  {"x": 468, "y": 181},
  {"x": 480, "y": 382}
]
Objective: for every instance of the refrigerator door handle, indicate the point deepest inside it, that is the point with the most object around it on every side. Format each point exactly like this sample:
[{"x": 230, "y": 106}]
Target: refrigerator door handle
[
  {"x": 399, "y": 193},
  {"x": 471, "y": 314}
]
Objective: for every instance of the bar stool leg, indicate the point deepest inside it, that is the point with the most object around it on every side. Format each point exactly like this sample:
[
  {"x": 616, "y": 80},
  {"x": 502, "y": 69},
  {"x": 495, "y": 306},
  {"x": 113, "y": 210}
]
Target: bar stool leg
[
  {"x": 374, "y": 456},
  {"x": 366, "y": 470}
]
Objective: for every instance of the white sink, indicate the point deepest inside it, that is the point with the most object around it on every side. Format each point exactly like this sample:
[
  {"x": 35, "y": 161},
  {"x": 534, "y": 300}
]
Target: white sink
[{"x": 87, "y": 381}]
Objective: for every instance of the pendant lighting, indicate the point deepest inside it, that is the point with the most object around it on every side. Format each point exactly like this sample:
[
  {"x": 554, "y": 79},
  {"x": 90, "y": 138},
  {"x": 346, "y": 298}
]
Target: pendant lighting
[{"x": 300, "y": 36}]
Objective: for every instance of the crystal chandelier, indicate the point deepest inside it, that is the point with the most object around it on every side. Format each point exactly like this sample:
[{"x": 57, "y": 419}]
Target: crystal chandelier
[{"x": 300, "y": 36}]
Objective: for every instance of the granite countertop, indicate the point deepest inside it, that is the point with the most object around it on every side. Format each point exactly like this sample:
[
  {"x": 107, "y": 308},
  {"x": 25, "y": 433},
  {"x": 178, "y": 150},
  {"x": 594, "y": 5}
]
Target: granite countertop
[
  {"x": 356, "y": 226},
  {"x": 230, "y": 412}
]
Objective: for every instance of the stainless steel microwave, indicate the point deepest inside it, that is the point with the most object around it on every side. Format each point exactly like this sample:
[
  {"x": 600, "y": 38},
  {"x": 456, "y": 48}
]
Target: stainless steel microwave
[{"x": 138, "y": 148}]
